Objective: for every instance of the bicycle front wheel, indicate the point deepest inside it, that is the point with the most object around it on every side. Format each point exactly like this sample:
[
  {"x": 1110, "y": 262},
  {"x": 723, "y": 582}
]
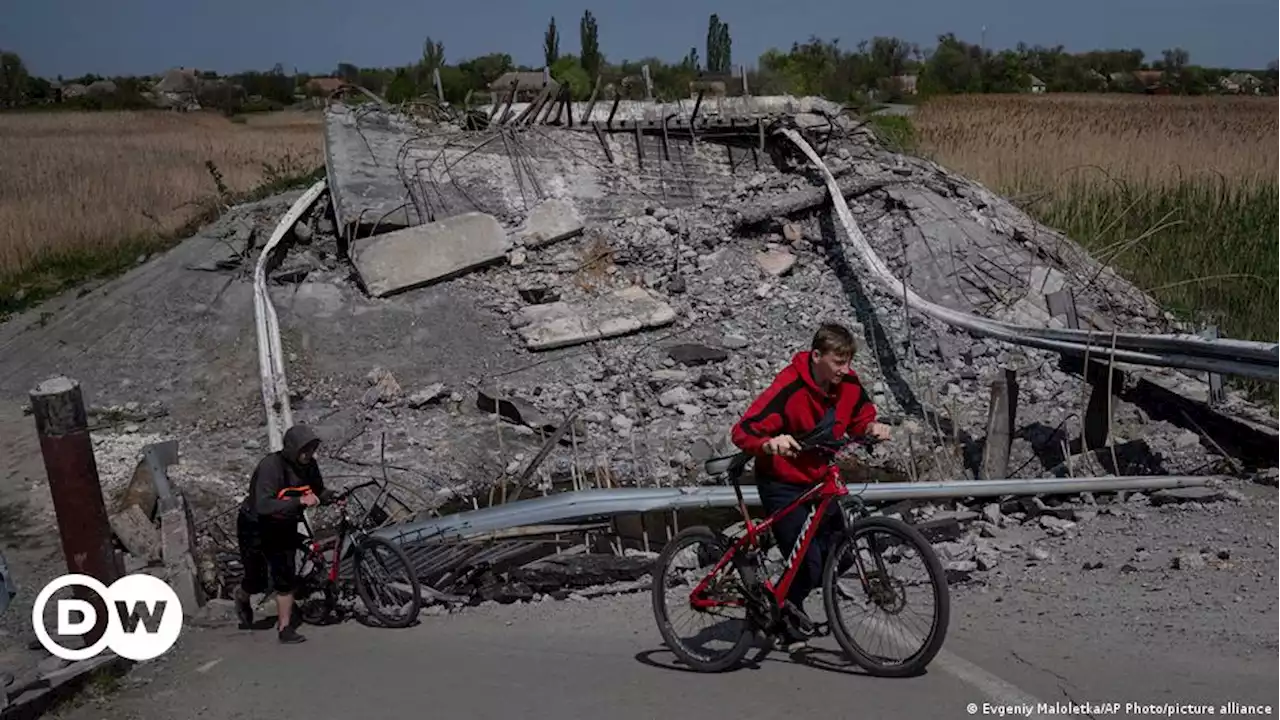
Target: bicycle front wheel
[
  {"x": 387, "y": 582},
  {"x": 862, "y": 576},
  {"x": 722, "y": 635}
]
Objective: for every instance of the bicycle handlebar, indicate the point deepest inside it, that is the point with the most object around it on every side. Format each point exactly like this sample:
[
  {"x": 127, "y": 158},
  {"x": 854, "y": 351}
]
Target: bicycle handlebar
[{"x": 346, "y": 492}]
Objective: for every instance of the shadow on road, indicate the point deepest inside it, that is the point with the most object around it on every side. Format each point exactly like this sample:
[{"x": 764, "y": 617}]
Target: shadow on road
[
  {"x": 836, "y": 662},
  {"x": 670, "y": 662}
]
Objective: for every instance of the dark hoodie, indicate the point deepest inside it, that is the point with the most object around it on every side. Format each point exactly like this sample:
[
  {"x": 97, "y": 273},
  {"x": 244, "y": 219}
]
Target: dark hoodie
[
  {"x": 278, "y": 472},
  {"x": 793, "y": 405}
]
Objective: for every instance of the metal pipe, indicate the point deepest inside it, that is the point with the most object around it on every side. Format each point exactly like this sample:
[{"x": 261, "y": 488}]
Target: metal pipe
[
  {"x": 63, "y": 428},
  {"x": 275, "y": 387},
  {"x": 1258, "y": 360},
  {"x": 584, "y": 504}
]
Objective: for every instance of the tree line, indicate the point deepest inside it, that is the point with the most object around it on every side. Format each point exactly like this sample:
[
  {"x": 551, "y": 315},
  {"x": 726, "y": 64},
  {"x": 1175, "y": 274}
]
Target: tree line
[{"x": 873, "y": 69}]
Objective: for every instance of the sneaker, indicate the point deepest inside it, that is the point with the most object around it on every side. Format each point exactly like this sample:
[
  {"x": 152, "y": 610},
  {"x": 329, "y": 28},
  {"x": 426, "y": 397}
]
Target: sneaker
[
  {"x": 291, "y": 636},
  {"x": 791, "y": 641},
  {"x": 244, "y": 613}
]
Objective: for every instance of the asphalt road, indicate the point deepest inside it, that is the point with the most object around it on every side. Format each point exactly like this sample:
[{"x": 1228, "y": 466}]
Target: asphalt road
[{"x": 604, "y": 658}]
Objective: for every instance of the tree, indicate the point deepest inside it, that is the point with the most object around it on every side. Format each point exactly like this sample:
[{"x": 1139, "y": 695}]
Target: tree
[
  {"x": 402, "y": 87},
  {"x": 13, "y": 79},
  {"x": 432, "y": 60},
  {"x": 485, "y": 69},
  {"x": 590, "y": 36},
  {"x": 568, "y": 71},
  {"x": 719, "y": 46},
  {"x": 551, "y": 44},
  {"x": 690, "y": 61}
]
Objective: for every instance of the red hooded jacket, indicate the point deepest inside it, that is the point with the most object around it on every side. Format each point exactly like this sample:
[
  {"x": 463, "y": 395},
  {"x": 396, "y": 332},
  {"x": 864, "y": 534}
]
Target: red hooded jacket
[{"x": 793, "y": 405}]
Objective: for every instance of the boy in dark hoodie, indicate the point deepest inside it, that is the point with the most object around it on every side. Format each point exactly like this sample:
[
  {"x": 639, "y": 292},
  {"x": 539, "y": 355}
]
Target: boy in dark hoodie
[
  {"x": 284, "y": 484},
  {"x": 817, "y": 383}
]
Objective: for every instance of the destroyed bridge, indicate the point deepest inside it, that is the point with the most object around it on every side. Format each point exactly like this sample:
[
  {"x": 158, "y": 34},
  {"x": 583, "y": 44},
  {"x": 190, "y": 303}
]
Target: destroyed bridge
[{"x": 586, "y": 296}]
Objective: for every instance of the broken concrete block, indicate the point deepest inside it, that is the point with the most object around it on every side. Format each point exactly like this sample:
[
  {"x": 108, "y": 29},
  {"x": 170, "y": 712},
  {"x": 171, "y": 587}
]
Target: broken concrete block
[
  {"x": 136, "y": 533},
  {"x": 1184, "y": 495},
  {"x": 696, "y": 354},
  {"x": 561, "y": 324},
  {"x": 184, "y": 578},
  {"x": 384, "y": 387},
  {"x": 429, "y": 394},
  {"x": 776, "y": 262},
  {"x": 1045, "y": 281},
  {"x": 792, "y": 233},
  {"x": 418, "y": 256},
  {"x": 549, "y": 222}
]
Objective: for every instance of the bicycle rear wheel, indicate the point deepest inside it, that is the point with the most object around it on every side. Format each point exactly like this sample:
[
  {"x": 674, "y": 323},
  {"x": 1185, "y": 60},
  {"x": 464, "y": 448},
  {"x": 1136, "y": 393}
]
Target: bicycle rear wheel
[
  {"x": 867, "y": 556},
  {"x": 688, "y": 558},
  {"x": 387, "y": 582}
]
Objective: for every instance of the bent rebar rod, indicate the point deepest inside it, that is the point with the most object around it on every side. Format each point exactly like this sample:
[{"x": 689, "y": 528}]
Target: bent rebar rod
[
  {"x": 594, "y": 503},
  {"x": 1234, "y": 357},
  {"x": 275, "y": 387}
]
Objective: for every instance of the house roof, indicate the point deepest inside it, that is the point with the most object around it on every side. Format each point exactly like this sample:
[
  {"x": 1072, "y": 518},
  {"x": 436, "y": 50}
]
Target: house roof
[
  {"x": 178, "y": 80},
  {"x": 527, "y": 81},
  {"x": 1149, "y": 77},
  {"x": 326, "y": 84},
  {"x": 1034, "y": 80}
]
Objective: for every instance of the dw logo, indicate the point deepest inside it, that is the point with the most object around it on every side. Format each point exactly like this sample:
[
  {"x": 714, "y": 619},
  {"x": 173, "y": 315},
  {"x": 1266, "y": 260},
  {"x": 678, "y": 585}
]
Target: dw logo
[{"x": 144, "y": 617}]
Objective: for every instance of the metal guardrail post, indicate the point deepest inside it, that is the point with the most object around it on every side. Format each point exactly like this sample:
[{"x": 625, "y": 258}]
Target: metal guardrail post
[
  {"x": 1217, "y": 393},
  {"x": 61, "y": 422}
]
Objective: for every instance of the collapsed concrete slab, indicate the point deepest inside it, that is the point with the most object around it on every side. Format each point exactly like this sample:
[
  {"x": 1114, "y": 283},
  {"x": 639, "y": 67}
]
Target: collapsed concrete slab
[
  {"x": 414, "y": 257},
  {"x": 549, "y": 222},
  {"x": 562, "y": 324}
]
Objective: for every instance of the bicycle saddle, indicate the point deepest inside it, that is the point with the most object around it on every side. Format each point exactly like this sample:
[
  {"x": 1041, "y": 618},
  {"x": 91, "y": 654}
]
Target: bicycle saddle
[{"x": 726, "y": 463}]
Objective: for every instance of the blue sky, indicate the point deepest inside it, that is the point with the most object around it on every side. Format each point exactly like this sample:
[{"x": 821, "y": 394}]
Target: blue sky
[{"x": 72, "y": 37}]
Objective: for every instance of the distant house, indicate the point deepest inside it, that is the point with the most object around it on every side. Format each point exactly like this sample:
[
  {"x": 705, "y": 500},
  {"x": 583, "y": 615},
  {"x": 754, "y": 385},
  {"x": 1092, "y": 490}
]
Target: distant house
[
  {"x": 73, "y": 90},
  {"x": 1240, "y": 83},
  {"x": 324, "y": 85},
  {"x": 102, "y": 87},
  {"x": 528, "y": 85},
  {"x": 178, "y": 89},
  {"x": 907, "y": 84},
  {"x": 709, "y": 88},
  {"x": 1036, "y": 85}
]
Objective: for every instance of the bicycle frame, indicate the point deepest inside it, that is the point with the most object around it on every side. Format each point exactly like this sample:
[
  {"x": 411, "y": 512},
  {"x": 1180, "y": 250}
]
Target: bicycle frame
[
  {"x": 340, "y": 540},
  {"x": 828, "y": 491}
]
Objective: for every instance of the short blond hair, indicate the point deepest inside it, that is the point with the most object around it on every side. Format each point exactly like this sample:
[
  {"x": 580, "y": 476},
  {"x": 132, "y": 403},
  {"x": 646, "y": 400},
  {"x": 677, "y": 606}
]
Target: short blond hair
[{"x": 834, "y": 338}]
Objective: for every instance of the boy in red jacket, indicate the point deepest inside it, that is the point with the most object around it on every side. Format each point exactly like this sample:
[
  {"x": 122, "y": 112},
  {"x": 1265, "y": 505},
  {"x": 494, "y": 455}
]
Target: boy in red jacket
[{"x": 816, "y": 383}]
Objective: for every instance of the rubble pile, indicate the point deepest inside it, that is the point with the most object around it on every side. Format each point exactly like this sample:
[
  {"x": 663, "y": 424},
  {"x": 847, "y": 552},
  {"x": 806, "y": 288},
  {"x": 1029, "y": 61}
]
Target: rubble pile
[{"x": 657, "y": 329}]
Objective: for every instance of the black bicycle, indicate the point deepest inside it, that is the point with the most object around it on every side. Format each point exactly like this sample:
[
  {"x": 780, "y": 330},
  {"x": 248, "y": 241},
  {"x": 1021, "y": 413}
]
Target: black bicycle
[{"x": 380, "y": 572}]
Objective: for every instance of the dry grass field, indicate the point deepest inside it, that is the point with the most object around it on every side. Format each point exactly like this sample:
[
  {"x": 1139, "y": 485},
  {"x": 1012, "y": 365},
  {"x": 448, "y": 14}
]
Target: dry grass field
[
  {"x": 1180, "y": 194},
  {"x": 78, "y": 186}
]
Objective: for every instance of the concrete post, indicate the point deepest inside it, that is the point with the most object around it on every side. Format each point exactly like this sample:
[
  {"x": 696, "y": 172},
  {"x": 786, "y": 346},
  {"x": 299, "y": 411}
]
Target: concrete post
[
  {"x": 1001, "y": 416},
  {"x": 61, "y": 423}
]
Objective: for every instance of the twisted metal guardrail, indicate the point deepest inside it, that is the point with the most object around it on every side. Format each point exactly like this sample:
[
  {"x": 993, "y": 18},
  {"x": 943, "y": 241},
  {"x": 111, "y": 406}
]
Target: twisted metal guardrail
[
  {"x": 1259, "y": 360},
  {"x": 586, "y": 504}
]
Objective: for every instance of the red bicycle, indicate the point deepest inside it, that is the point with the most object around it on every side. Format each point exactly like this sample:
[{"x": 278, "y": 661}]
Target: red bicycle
[
  {"x": 739, "y": 585},
  {"x": 379, "y": 572}
]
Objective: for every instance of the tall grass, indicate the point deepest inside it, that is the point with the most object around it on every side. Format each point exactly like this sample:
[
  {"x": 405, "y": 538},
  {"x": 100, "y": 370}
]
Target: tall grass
[
  {"x": 83, "y": 193},
  {"x": 1178, "y": 194}
]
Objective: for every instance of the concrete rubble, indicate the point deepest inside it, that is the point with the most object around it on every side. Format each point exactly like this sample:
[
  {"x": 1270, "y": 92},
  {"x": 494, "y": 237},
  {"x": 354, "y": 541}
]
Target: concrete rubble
[
  {"x": 463, "y": 294},
  {"x": 634, "y": 282}
]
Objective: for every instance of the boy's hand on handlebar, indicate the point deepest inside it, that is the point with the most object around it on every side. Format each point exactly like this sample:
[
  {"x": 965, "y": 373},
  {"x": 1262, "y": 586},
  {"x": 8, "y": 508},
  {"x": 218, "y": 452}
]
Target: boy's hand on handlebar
[
  {"x": 878, "y": 432},
  {"x": 783, "y": 445},
  {"x": 310, "y": 499}
]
